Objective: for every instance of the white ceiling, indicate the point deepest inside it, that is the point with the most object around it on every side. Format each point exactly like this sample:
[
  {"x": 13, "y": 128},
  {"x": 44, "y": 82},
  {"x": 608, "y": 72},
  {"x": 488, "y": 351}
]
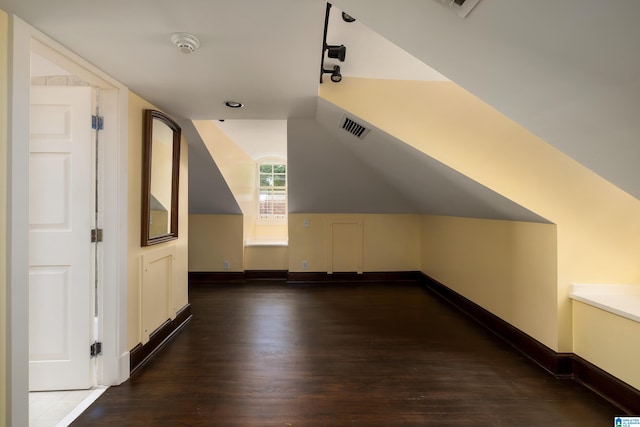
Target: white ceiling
[
  {"x": 566, "y": 70},
  {"x": 258, "y": 138}
]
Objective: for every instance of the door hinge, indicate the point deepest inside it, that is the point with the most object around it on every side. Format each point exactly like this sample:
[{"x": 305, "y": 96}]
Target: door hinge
[
  {"x": 97, "y": 122},
  {"x": 96, "y": 349},
  {"x": 96, "y": 235}
]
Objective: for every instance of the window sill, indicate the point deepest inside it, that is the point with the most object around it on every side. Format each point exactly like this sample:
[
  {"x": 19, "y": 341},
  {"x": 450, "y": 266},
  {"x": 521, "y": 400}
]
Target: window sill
[{"x": 621, "y": 300}]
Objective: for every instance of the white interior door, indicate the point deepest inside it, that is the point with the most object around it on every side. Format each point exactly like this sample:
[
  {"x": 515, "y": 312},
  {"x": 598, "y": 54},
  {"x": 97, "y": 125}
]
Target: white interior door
[{"x": 60, "y": 249}]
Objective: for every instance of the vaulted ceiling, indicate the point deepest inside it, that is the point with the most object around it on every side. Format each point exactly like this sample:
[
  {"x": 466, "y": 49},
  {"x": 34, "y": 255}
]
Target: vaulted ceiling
[{"x": 567, "y": 71}]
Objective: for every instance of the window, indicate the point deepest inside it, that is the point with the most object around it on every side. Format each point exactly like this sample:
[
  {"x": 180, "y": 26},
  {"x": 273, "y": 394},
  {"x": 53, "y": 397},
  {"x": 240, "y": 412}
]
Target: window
[{"x": 272, "y": 190}]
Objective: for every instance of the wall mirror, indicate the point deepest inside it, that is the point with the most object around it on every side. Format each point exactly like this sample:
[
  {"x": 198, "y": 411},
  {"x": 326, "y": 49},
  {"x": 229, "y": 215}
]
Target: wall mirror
[{"x": 160, "y": 178}]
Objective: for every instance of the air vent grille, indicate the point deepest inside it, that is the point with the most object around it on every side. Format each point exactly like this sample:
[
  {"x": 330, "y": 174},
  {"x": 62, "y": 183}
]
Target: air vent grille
[
  {"x": 353, "y": 127},
  {"x": 463, "y": 7}
]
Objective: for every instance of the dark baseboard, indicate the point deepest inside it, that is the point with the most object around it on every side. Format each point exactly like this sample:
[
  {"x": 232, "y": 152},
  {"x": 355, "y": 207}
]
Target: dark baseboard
[
  {"x": 207, "y": 277},
  {"x": 366, "y": 277},
  {"x": 561, "y": 365},
  {"x": 222, "y": 277},
  {"x": 606, "y": 385},
  {"x": 558, "y": 364},
  {"x": 265, "y": 274},
  {"x": 141, "y": 354}
]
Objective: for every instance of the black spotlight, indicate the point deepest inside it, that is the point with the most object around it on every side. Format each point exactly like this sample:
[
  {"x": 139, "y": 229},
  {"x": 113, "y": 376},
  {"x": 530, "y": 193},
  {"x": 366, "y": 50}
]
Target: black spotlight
[
  {"x": 347, "y": 17},
  {"x": 337, "y": 52},
  {"x": 336, "y": 77}
]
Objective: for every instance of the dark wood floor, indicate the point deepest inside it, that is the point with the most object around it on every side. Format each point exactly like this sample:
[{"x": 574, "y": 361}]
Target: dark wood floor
[{"x": 268, "y": 354}]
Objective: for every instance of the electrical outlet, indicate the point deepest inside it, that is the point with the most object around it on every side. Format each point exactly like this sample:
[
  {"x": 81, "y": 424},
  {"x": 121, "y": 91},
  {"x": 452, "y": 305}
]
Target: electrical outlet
[
  {"x": 227, "y": 265},
  {"x": 305, "y": 223},
  {"x": 305, "y": 264}
]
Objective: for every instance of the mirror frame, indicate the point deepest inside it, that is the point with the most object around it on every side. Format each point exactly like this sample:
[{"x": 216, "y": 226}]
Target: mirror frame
[{"x": 150, "y": 116}]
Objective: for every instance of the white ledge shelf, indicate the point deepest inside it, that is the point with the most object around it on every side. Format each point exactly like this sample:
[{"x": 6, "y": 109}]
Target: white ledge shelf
[
  {"x": 266, "y": 242},
  {"x": 621, "y": 300}
]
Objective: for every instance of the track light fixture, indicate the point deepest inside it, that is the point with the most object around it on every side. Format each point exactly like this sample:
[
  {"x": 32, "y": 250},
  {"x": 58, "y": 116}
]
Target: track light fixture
[
  {"x": 337, "y": 52},
  {"x": 336, "y": 77},
  {"x": 347, "y": 18}
]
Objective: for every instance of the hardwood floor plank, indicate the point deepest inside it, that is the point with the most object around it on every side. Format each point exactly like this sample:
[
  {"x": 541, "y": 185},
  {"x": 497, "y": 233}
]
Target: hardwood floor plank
[{"x": 259, "y": 354}]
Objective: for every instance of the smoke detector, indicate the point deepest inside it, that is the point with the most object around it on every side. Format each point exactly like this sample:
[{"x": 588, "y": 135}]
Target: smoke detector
[{"x": 186, "y": 43}]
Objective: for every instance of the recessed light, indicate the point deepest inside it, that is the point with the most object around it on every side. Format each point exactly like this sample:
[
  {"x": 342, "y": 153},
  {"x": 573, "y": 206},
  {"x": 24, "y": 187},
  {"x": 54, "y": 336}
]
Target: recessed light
[{"x": 234, "y": 104}]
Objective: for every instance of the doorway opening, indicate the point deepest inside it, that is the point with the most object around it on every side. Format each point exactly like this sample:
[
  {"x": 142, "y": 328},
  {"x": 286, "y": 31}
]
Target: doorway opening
[{"x": 113, "y": 366}]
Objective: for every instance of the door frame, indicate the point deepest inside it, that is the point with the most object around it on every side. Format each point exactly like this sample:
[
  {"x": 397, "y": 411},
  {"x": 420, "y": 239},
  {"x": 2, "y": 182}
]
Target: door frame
[{"x": 113, "y": 365}]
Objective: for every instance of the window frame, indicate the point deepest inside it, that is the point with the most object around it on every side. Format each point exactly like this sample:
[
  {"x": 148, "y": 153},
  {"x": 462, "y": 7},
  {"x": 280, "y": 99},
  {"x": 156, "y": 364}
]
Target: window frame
[{"x": 271, "y": 218}]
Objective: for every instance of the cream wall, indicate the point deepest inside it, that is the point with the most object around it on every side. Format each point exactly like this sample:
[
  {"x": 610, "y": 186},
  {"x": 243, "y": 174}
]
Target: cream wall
[
  {"x": 237, "y": 167},
  {"x": 507, "y": 267},
  {"x": 390, "y": 242},
  {"x": 266, "y": 257},
  {"x": 4, "y": 44},
  {"x": 270, "y": 231},
  {"x": 214, "y": 239},
  {"x": 179, "y": 289},
  {"x": 609, "y": 341},
  {"x": 598, "y": 225}
]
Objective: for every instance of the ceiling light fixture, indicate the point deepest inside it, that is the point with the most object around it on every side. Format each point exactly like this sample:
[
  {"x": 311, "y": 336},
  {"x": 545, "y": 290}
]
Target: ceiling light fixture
[
  {"x": 347, "y": 18},
  {"x": 338, "y": 52},
  {"x": 234, "y": 104},
  {"x": 336, "y": 77},
  {"x": 186, "y": 43}
]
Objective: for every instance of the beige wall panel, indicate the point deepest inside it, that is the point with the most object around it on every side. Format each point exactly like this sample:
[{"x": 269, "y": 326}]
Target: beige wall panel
[
  {"x": 345, "y": 246},
  {"x": 307, "y": 243},
  {"x": 507, "y": 267},
  {"x": 156, "y": 289},
  {"x": 214, "y": 239},
  {"x": 270, "y": 232},
  {"x": 390, "y": 242},
  {"x": 266, "y": 257},
  {"x": 181, "y": 265},
  {"x": 611, "y": 342},
  {"x": 135, "y": 252}
]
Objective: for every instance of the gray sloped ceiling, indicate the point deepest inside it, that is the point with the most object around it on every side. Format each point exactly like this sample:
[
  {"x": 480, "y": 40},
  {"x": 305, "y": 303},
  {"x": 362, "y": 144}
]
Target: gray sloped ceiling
[{"x": 325, "y": 177}]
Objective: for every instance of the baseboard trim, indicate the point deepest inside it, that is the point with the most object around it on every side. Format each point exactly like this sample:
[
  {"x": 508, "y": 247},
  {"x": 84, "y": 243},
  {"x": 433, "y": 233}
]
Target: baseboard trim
[
  {"x": 558, "y": 364},
  {"x": 606, "y": 385},
  {"x": 209, "y": 277},
  {"x": 366, "y": 277},
  {"x": 140, "y": 354},
  {"x": 561, "y": 365},
  {"x": 265, "y": 274}
]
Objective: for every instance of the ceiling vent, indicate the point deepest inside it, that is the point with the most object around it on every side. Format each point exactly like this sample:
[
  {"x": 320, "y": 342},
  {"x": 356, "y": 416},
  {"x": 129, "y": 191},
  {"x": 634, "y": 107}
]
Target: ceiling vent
[
  {"x": 354, "y": 128},
  {"x": 462, "y": 7}
]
